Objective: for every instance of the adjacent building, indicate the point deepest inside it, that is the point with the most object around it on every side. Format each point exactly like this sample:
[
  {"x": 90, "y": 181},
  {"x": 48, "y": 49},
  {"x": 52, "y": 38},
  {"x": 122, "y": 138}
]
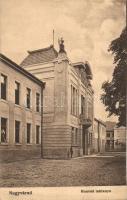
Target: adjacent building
[
  {"x": 120, "y": 138},
  {"x": 99, "y": 136},
  {"x": 110, "y": 135},
  {"x": 21, "y": 96},
  {"x": 68, "y": 102}
]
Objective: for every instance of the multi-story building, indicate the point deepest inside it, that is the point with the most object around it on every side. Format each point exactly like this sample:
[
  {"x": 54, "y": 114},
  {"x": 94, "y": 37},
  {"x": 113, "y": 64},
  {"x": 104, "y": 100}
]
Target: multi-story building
[
  {"x": 68, "y": 102},
  {"x": 99, "y": 136},
  {"x": 20, "y": 109}
]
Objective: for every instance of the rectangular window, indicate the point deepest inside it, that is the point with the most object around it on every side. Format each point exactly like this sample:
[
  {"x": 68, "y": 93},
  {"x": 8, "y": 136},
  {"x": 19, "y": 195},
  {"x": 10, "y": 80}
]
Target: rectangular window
[
  {"x": 82, "y": 104},
  {"x": 28, "y": 100},
  {"x": 3, "y": 87},
  {"x": 37, "y": 134},
  {"x": 108, "y": 134},
  {"x": 77, "y": 103},
  {"x": 76, "y": 136},
  {"x": 90, "y": 111},
  {"x": 73, "y": 135},
  {"x": 37, "y": 102},
  {"x": 28, "y": 133},
  {"x": 17, "y": 131},
  {"x": 74, "y": 101},
  {"x": 90, "y": 139},
  {"x": 17, "y": 88},
  {"x": 74, "y": 132},
  {"x": 71, "y": 99},
  {"x": 3, "y": 130}
]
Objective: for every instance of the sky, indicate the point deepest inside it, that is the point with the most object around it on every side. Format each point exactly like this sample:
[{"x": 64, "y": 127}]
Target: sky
[{"x": 87, "y": 26}]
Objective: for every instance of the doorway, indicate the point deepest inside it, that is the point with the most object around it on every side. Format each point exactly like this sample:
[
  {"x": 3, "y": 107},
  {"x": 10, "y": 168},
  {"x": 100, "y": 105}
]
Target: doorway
[{"x": 85, "y": 141}]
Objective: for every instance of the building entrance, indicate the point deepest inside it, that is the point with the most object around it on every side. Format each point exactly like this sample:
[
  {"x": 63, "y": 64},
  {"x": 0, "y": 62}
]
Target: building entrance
[{"x": 85, "y": 141}]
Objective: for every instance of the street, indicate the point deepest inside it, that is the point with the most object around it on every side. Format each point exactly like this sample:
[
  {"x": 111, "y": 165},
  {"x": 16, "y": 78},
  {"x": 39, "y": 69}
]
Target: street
[{"x": 89, "y": 171}]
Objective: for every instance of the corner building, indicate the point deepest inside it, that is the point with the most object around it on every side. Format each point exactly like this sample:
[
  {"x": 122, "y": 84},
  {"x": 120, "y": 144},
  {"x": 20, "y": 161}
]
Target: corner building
[
  {"x": 68, "y": 102},
  {"x": 20, "y": 111}
]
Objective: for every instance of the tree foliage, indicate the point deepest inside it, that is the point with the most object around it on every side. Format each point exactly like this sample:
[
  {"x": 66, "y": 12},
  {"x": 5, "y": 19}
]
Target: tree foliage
[{"x": 114, "y": 92}]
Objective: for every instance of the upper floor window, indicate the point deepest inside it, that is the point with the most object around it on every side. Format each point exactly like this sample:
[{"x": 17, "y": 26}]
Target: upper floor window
[
  {"x": 37, "y": 102},
  {"x": 90, "y": 110},
  {"x": 82, "y": 104},
  {"x": 3, "y": 87},
  {"x": 74, "y": 101},
  {"x": 17, "y": 131},
  {"x": 17, "y": 90},
  {"x": 28, "y": 97},
  {"x": 3, "y": 130}
]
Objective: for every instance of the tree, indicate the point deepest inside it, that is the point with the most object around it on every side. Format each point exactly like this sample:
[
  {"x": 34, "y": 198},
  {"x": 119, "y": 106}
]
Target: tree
[{"x": 114, "y": 91}]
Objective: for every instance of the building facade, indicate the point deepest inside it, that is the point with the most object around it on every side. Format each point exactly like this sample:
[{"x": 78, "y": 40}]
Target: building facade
[
  {"x": 110, "y": 135},
  {"x": 120, "y": 138},
  {"x": 68, "y": 102},
  {"x": 99, "y": 136},
  {"x": 20, "y": 109}
]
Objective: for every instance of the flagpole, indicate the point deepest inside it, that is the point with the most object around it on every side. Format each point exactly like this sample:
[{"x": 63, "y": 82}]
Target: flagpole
[{"x": 53, "y": 37}]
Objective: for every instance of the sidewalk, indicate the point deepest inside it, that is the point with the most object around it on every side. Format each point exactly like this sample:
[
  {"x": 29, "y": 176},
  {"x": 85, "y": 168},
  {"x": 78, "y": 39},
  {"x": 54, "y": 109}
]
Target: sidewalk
[{"x": 103, "y": 155}]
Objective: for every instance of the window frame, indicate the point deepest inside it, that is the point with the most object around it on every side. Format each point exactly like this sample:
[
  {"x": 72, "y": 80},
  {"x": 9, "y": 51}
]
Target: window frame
[
  {"x": 38, "y": 99},
  {"x": 29, "y": 133},
  {"x": 7, "y": 125},
  {"x": 19, "y": 132},
  {"x": 74, "y": 101},
  {"x": 28, "y": 94},
  {"x": 6, "y": 81},
  {"x": 37, "y": 126},
  {"x": 74, "y": 136},
  {"x": 17, "y": 84}
]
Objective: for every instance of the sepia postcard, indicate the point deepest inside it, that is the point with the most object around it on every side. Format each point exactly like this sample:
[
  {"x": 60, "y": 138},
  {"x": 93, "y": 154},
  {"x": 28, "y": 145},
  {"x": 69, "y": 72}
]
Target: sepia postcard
[{"x": 63, "y": 100}]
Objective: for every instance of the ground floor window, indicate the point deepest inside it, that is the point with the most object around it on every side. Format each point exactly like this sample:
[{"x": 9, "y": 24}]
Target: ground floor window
[
  {"x": 17, "y": 131},
  {"x": 74, "y": 133},
  {"x": 37, "y": 134},
  {"x": 89, "y": 138},
  {"x": 3, "y": 130},
  {"x": 28, "y": 133}
]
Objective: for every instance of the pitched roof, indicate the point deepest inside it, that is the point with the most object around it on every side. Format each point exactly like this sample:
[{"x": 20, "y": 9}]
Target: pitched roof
[
  {"x": 19, "y": 69},
  {"x": 40, "y": 56},
  {"x": 110, "y": 125},
  {"x": 100, "y": 121}
]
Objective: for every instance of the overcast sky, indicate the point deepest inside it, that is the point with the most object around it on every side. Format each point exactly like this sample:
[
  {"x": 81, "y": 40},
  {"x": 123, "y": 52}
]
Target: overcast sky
[{"x": 87, "y": 26}]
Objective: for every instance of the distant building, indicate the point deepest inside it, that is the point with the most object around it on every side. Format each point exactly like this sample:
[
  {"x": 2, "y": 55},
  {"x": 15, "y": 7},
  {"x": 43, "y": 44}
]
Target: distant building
[
  {"x": 110, "y": 135},
  {"x": 68, "y": 102},
  {"x": 99, "y": 136},
  {"x": 120, "y": 138},
  {"x": 20, "y": 109}
]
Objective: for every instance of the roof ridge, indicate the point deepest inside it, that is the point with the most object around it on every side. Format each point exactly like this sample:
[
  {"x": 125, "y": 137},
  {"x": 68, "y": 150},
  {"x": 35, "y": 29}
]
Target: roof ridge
[
  {"x": 14, "y": 65},
  {"x": 43, "y": 49}
]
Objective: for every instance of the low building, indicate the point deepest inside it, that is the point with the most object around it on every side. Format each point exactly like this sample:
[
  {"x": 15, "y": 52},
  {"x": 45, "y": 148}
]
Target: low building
[
  {"x": 110, "y": 135},
  {"x": 68, "y": 102},
  {"x": 120, "y": 138},
  {"x": 99, "y": 136},
  {"x": 21, "y": 96}
]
